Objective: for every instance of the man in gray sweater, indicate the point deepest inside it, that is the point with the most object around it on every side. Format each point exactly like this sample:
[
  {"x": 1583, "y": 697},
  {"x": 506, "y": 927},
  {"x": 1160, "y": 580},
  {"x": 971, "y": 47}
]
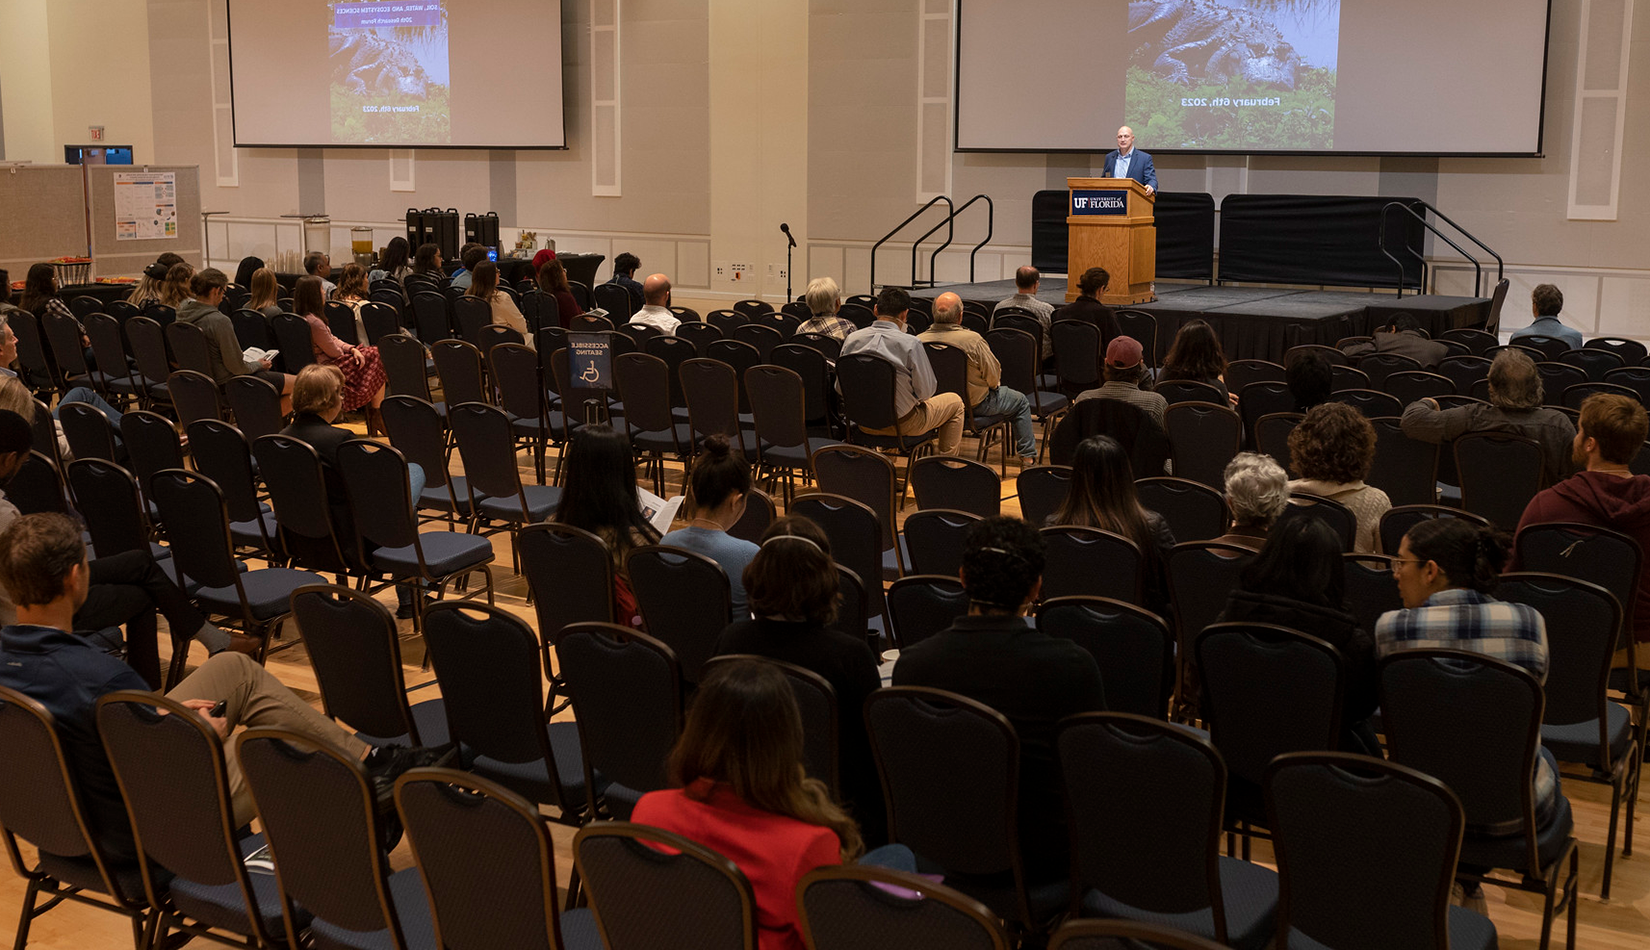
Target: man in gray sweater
[{"x": 225, "y": 350}]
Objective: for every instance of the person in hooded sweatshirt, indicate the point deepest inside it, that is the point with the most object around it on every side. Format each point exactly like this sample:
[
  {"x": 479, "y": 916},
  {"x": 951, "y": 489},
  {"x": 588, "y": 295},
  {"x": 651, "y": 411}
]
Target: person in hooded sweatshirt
[
  {"x": 225, "y": 350},
  {"x": 1296, "y": 581},
  {"x": 1606, "y": 493}
]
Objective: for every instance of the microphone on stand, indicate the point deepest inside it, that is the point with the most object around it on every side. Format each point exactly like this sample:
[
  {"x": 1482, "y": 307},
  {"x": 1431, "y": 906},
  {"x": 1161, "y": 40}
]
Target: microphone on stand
[{"x": 788, "y": 236}]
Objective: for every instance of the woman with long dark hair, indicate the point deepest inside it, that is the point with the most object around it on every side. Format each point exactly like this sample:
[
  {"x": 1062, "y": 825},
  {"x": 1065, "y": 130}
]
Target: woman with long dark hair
[
  {"x": 248, "y": 267},
  {"x": 743, "y": 792},
  {"x": 393, "y": 262},
  {"x": 552, "y": 280},
  {"x": 364, "y": 377},
  {"x": 1297, "y": 581},
  {"x": 717, "y": 487},
  {"x": 1196, "y": 355},
  {"x": 428, "y": 261},
  {"x": 41, "y": 298},
  {"x": 1102, "y": 496},
  {"x": 598, "y": 494}
]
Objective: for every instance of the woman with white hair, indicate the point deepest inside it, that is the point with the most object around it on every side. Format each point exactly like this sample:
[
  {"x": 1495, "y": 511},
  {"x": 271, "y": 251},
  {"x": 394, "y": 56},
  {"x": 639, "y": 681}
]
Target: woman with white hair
[
  {"x": 1257, "y": 491},
  {"x": 824, "y": 299}
]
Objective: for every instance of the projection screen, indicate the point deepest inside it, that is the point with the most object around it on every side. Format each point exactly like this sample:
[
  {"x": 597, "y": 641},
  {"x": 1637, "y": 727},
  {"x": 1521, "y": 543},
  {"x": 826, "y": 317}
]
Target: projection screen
[
  {"x": 1283, "y": 76},
  {"x": 397, "y": 73}
]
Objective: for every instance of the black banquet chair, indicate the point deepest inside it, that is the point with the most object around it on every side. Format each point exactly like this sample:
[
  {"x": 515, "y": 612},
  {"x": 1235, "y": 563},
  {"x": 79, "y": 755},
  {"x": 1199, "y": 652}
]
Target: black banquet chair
[
  {"x": 1133, "y": 647},
  {"x": 644, "y": 898},
  {"x": 858, "y": 907}
]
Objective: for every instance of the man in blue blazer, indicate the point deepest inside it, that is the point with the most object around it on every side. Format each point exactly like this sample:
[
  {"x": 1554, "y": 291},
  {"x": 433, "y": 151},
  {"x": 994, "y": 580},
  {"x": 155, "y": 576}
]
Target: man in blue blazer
[{"x": 1126, "y": 161}]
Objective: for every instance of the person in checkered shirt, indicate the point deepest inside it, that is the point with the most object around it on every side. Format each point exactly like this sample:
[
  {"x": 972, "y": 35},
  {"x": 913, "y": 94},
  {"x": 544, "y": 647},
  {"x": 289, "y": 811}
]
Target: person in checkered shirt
[{"x": 1446, "y": 569}]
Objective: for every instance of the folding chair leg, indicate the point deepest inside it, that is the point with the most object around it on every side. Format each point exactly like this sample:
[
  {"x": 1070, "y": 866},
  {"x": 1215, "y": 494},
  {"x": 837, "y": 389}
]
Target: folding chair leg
[
  {"x": 25, "y": 917},
  {"x": 1610, "y": 838}
]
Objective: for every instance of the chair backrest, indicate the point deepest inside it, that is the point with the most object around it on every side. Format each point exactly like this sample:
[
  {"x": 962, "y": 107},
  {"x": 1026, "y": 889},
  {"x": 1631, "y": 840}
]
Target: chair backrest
[
  {"x": 814, "y": 368},
  {"x": 1581, "y": 619},
  {"x": 861, "y": 315},
  {"x": 614, "y": 299},
  {"x": 779, "y": 402},
  {"x": 1145, "y": 801},
  {"x": 459, "y": 365},
  {"x": 516, "y": 373},
  {"x": 430, "y": 317},
  {"x": 63, "y": 335},
  {"x": 856, "y": 537},
  {"x": 626, "y": 689},
  {"x": 867, "y": 384},
  {"x": 108, "y": 346},
  {"x": 1093, "y": 563},
  {"x": 171, "y": 773},
  {"x": 318, "y": 812},
  {"x": 1573, "y": 396},
  {"x": 292, "y": 471},
  {"x": 758, "y": 515},
  {"x": 1190, "y": 390},
  {"x": 645, "y": 898},
  {"x": 570, "y": 576},
  {"x": 947, "y": 763},
  {"x": 1203, "y": 438},
  {"x": 1140, "y": 326},
  {"x": 701, "y": 335},
  {"x": 1500, "y": 473},
  {"x": 685, "y": 600},
  {"x": 403, "y": 359},
  {"x": 863, "y": 474},
  {"x": 108, "y": 499},
  {"x": 1194, "y": 511},
  {"x": 32, "y": 353},
  {"x": 674, "y": 351},
  {"x": 1240, "y": 373},
  {"x": 1343, "y": 377},
  {"x": 1250, "y": 720},
  {"x": 1334, "y": 356},
  {"x": 37, "y": 487},
  {"x": 1132, "y": 646},
  {"x": 644, "y": 385},
  {"x": 471, "y": 314},
  {"x": 828, "y": 346},
  {"x": 759, "y": 335},
  {"x": 1397, "y": 520},
  {"x": 380, "y": 499},
  {"x": 1019, "y": 354},
  {"x": 1405, "y": 468},
  {"x": 1556, "y": 378},
  {"x": 88, "y": 430},
  {"x": 203, "y": 553},
  {"x": 711, "y": 389},
  {"x": 1593, "y": 361},
  {"x": 1272, "y": 435},
  {"x": 950, "y": 366},
  {"x": 1328, "y": 510},
  {"x": 293, "y": 338},
  {"x": 352, "y": 643},
  {"x": 816, "y": 701},
  {"x": 945, "y": 481},
  {"x": 487, "y": 448},
  {"x": 726, "y": 321},
  {"x": 739, "y": 355},
  {"x": 257, "y": 406},
  {"x": 43, "y": 429},
  {"x": 859, "y": 907},
  {"x": 1474, "y": 723},
  {"x": 853, "y": 605},
  {"x": 1378, "y": 366},
  {"x": 416, "y": 429},
  {"x": 381, "y": 320},
  {"x": 486, "y": 859},
  {"x": 148, "y": 342},
  {"x": 1371, "y": 403},
  {"x": 1411, "y": 385},
  {"x": 252, "y": 329},
  {"x": 1370, "y": 590},
  {"x": 194, "y": 395},
  {"x": 922, "y": 605},
  {"x": 1042, "y": 490},
  {"x": 1603, "y": 556},
  {"x": 934, "y": 540},
  {"x": 1076, "y": 345},
  {"x": 1333, "y": 816},
  {"x": 1550, "y": 347}
]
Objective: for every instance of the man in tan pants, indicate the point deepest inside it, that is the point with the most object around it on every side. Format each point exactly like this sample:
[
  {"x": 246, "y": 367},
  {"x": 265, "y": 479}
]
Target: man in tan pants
[
  {"x": 917, "y": 401},
  {"x": 43, "y": 566}
]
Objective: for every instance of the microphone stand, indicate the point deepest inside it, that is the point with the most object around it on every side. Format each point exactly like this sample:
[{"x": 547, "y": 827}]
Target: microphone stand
[{"x": 790, "y": 243}]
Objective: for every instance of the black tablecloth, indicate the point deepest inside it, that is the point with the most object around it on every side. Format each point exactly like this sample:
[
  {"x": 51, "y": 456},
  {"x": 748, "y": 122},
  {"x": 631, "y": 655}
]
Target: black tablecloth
[
  {"x": 1255, "y": 323},
  {"x": 106, "y": 293}
]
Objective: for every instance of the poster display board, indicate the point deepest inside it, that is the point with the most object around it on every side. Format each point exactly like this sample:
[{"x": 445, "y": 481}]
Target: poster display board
[{"x": 146, "y": 206}]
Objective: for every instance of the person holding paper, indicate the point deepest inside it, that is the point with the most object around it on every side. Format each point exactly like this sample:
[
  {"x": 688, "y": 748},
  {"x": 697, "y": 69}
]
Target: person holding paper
[
  {"x": 1126, "y": 161},
  {"x": 719, "y": 483}
]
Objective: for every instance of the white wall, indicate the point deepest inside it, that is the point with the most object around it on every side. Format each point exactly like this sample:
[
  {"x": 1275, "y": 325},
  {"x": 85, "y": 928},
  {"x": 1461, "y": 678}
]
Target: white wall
[{"x": 26, "y": 83}]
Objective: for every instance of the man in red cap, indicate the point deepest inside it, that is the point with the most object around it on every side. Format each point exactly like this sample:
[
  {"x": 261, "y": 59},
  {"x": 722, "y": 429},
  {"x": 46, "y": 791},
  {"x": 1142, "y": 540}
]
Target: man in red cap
[{"x": 1123, "y": 375}]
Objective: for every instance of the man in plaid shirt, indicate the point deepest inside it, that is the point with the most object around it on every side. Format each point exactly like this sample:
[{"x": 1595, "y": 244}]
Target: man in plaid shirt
[{"x": 1445, "y": 571}]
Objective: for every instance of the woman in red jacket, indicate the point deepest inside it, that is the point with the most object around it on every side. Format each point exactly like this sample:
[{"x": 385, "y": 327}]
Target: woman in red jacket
[{"x": 745, "y": 795}]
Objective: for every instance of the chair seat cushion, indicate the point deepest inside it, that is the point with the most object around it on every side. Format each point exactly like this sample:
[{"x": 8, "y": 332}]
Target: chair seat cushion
[
  {"x": 1250, "y": 895},
  {"x": 412, "y": 909},
  {"x": 445, "y": 552},
  {"x": 663, "y": 440},
  {"x": 431, "y": 718},
  {"x": 1480, "y": 852},
  {"x": 435, "y": 497},
  {"x": 541, "y": 501},
  {"x": 893, "y": 441},
  {"x": 1468, "y": 930},
  {"x": 793, "y": 456},
  {"x": 82, "y": 873},
  {"x": 579, "y": 931},
  {"x": 245, "y": 533},
  {"x": 997, "y": 892},
  {"x": 530, "y": 779},
  {"x": 1578, "y": 741},
  {"x": 1043, "y": 403},
  {"x": 224, "y": 906},
  {"x": 267, "y": 592}
]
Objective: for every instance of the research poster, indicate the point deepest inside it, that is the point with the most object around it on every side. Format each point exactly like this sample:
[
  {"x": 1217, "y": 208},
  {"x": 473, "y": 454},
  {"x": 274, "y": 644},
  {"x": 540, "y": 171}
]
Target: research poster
[{"x": 146, "y": 205}]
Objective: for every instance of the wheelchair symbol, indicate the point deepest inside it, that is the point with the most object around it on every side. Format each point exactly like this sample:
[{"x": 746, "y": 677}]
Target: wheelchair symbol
[{"x": 590, "y": 375}]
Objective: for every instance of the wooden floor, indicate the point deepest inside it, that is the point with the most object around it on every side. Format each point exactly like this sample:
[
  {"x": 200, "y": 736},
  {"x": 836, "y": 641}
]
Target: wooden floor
[{"x": 1621, "y": 924}]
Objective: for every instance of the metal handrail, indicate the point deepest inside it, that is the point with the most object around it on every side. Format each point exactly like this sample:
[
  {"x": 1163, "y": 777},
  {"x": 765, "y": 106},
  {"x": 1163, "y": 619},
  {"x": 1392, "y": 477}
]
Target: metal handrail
[
  {"x": 949, "y": 224},
  {"x": 1477, "y": 266},
  {"x": 930, "y": 203},
  {"x": 990, "y": 226}
]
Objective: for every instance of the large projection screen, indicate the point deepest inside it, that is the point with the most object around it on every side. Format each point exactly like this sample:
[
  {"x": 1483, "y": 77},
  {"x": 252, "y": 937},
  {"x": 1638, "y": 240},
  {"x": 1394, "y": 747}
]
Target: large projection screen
[
  {"x": 396, "y": 73},
  {"x": 1388, "y": 77}
]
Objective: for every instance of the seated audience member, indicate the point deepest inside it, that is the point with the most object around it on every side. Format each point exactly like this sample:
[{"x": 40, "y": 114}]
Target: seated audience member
[
  {"x": 1196, "y": 355},
  {"x": 1332, "y": 451},
  {"x": 544, "y": 255},
  {"x": 318, "y": 264},
  {"x": 15, "y": 396},
  {"x": 919, "y": 406},
  {"x": 655, "y": 310},
  {"x": 1257, "y": 491},
  {"x": 1087, "y": 306},
  {"x": 1102, "y": 495},
  {"x": 428, "y": 260},
  {"x": 717, "y": 487},
  {"x": 43, "y": 565},
  {"x": 1401, "y": 337},
  {"x": 147, "y": 289},
  {"x": 1297, "y": 581},
  {"x": 1515, "y": 407},
  {"x": 793, "y": 589},
  {"x": 1606, "y": 493},
  {"x": 992, "y": 656},
  {"x": 624, "y": 274},
  {"x": 42, "y": 298},
  {"x": 352, "y": 292},
  {"x": 393, "y": 263},
  {"x": 598, "y": 494},
  {"x": 1311, "y": 379},
  {"x": 202, "y": 311},
  {"x": 248, "y": 267},
  {"x": 484, "y": 284},
  {"x": 824, "y": 300},
  {"x": 8, "y": 339},
  {"x": 742, "y": 793},
  {"x": 552, "y": 280},
  {"x": 986, "y": 393},
  {"x": 1027, "y": 281},
  {"x": 363, "y": 369},
  {"x": 1124, "y": 373},
  {"x": 469, "y": 256},
  {"x": 1446, "y": 570},
  {"x": 265, "y": 294},
  {"x": 178, "y": 287},
  {"x": 1546, "y": 301}
]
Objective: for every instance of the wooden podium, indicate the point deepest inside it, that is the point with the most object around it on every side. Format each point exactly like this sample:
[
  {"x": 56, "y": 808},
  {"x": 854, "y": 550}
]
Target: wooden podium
[{"x": 1111, "y": 224}]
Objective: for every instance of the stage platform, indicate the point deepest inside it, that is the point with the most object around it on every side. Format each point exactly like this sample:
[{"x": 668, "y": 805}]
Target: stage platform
[{"x": 1261, "y": 322}]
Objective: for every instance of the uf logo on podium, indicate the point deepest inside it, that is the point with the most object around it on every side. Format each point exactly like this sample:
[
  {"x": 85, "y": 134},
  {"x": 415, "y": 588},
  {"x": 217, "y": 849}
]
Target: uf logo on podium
[{"x": 1099, "y": 201}]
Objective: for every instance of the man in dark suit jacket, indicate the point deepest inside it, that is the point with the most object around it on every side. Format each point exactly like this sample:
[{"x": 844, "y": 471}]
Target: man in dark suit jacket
[
  {"x": 1137, "y": 164},
  {"x": 993, "y": 657},
  {"x": 1401, "y": 337}
]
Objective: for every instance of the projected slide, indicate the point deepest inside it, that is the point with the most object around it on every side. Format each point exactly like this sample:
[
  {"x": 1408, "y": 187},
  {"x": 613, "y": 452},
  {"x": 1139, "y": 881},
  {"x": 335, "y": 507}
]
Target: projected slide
[
  {"x": 1228, "y": 75},
  {"x": 389, "y": 72}
]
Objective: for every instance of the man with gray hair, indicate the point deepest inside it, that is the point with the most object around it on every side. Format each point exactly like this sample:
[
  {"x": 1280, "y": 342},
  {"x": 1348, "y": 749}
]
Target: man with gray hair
[
  {"x": 1257, "y": 491},
  {"x": 824, "y": 299},
  {"x": 1515, "y": 407},
  {"x": 986, "y": 394},
  {"x": 1027, "y": 281}
]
